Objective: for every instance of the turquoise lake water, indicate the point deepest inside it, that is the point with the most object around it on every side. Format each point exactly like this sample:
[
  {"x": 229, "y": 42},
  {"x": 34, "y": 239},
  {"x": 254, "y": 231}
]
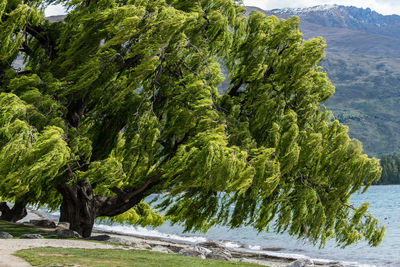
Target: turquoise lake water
[{"x": 385, "y": 205}]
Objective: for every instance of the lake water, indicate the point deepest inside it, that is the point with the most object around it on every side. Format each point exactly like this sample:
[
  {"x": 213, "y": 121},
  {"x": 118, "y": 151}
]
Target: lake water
[{"x": 385, "y": 205}]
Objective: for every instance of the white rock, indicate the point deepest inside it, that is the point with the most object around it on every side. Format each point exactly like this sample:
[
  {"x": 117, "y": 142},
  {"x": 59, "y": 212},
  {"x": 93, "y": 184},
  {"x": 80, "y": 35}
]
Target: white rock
[
  {"x": 196, "y": 251},
  {"x": 4, "y": 235},
  {"x": 222, "y": 255},
  {"x": 66, "y": 233},
  {"x": 99, "y": 237},
  {"x": 43, "y": 223},
  {"x": 63, "y": 225},
  {"x": 162, "y": 249},
  {"x": 212, "y": 244},
  {"x": 140, "y": 245},
  {"x": 306, "y": 262},
  {"x": 31, "y": 236}
]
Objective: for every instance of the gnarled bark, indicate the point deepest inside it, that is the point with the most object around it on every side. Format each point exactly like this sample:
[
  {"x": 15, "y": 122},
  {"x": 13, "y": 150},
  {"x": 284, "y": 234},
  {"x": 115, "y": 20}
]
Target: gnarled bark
[{"x": 80, "y": 207}]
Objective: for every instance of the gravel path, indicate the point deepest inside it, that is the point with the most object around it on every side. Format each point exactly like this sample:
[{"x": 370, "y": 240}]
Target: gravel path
[{"x": 10, "y": 246}]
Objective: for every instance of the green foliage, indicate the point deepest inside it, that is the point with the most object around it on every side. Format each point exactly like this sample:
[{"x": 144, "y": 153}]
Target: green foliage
[
  {"x": 29, "y": 159},
  {"x": 122, "y": 97},
  {"x": 141, "y": 214}
]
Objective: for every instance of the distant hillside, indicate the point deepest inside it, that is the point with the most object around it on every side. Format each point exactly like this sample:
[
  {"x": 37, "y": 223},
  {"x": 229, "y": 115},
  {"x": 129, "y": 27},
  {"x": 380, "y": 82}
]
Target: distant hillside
[
  {"x": 56, "y": 18},
  {"x": 363, "y": 62},
  {"x": 367, "y": 99}
]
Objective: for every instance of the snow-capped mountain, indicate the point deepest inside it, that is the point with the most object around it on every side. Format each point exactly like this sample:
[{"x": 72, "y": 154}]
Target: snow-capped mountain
[
  {"x": 365, "y": 20},
  {"x": 347, "y": 29},
  {"x": 303, "y": 10}
]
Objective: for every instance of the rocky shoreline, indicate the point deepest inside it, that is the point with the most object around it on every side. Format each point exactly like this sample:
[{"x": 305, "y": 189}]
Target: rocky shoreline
[{"x": 205, "y": 250}]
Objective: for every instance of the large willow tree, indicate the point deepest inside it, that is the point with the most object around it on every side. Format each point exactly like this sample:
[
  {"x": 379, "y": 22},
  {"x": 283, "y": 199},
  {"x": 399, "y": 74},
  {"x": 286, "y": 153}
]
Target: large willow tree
[{"x": 120, "y": 100}]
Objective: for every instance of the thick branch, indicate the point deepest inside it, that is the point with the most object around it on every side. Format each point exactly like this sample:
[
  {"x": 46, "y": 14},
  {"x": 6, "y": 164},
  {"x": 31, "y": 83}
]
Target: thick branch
[
  {"x": 17, "y": 212},
  {"x": 68, "y": 192},
  {"x": 26, "y": 49},
  {"x": 128, "y": 194},
  {"x": 131, "y": 62},
  {"x": 235, "y": 89},
  {"x": 42, "y": 35},
  {"x": 125, "y": 200},
  {"x": 75, "y": 111},
  {"x": 4, "y": 209}
]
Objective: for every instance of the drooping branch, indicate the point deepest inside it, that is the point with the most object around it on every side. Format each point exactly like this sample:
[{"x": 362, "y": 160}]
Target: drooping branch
[{"x": 313, "y": 186}]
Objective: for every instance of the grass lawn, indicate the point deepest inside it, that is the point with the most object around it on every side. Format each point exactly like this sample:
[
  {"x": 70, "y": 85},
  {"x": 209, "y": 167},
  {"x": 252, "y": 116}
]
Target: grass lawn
[
  {"x": 113, "y": 257},
  {"x": 16, "y": 230},
  {"x": 101, "y": 257}
]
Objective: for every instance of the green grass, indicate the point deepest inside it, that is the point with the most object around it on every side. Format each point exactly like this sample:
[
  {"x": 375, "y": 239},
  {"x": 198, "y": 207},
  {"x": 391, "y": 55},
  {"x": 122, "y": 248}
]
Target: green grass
[
  {"x": 113, "y": 257},
  {"x": 16, "y": 230}
]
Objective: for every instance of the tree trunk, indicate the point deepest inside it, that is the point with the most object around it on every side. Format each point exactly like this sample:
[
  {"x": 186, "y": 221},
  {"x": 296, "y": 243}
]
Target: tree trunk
[
  {"x": 78, "y": 208},
  {"x": 14, "y": 214}
]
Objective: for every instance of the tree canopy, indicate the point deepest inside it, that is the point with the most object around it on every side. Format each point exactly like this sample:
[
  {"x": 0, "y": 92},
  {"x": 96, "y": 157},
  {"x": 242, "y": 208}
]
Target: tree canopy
[{"x": 120, "y": 100}]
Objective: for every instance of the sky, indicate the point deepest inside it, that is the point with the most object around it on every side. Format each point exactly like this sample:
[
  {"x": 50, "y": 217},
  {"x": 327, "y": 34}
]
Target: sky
[
  {"x": 386, "y": 7},
  {"x": 54, "y": 10}
]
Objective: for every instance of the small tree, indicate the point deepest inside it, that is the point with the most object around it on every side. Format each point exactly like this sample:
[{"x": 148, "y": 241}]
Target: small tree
[
  {"x": 390, "y": 169},
  {"x": 119, "y": 101}
]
